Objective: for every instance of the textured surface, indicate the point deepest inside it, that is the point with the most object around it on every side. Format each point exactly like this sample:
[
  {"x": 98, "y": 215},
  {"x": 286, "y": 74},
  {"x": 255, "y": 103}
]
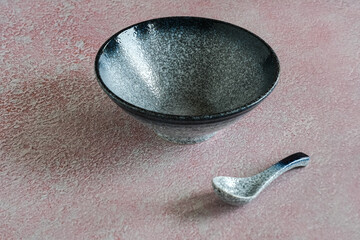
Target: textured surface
[{"x": 74, "y": 166}]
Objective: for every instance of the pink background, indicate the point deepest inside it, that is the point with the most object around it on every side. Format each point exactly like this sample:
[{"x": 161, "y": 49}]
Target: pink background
[{"x": 74, "y": 166}]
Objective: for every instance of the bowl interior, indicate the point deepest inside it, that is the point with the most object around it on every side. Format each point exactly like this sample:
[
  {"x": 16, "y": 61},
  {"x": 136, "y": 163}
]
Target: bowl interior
[{"x": 187, "y": 66}]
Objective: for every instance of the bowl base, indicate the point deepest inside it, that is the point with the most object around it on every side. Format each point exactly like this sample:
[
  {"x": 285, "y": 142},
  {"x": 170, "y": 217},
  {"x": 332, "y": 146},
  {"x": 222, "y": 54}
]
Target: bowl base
[{"x": 185, "y": 140}]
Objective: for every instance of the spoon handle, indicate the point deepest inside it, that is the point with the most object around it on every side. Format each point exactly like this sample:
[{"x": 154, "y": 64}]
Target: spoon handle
[{"x": 295, "y": 160}]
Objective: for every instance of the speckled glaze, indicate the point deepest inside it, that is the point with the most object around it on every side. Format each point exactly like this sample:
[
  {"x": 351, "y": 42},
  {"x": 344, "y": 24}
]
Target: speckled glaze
[
  {"x": 183, "y": 75},
  {"x": 185, "y": 133},
  {"x": 238, "y": 191}
]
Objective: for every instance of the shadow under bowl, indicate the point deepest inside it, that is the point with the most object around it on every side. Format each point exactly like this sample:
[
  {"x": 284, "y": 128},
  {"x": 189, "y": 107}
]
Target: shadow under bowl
[{"x": 186, "y": 77}]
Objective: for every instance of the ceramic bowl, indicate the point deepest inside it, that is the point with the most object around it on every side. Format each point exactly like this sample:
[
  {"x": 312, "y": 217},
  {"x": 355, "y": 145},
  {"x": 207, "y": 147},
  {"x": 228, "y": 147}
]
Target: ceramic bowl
[{"x": 186, "y": 77}]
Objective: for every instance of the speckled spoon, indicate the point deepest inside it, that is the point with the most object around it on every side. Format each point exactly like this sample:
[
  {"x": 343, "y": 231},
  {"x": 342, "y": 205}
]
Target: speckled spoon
[{"x": 238, "y": 191}]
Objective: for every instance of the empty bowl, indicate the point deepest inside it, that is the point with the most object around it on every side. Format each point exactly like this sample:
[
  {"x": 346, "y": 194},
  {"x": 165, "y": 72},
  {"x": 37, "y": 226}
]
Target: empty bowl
[{"x": 186, "y": 77}]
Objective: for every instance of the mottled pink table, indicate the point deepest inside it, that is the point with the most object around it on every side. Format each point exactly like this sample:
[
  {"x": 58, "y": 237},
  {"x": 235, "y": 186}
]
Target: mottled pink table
[{"x": 75, "y": 166}]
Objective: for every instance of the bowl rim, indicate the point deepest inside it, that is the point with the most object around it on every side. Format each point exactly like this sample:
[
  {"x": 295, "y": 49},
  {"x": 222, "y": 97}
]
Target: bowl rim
[{"x": 184, "y": 119}]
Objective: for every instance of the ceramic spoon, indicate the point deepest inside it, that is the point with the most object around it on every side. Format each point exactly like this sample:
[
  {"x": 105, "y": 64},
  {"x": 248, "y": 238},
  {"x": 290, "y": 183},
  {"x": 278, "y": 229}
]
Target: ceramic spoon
[{"x": 238, "y": 191}]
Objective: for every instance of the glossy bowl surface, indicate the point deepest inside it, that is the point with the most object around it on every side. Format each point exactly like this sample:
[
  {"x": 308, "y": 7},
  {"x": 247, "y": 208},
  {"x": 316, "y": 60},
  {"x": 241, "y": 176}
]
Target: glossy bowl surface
[{"x": 186, "y": 70}]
